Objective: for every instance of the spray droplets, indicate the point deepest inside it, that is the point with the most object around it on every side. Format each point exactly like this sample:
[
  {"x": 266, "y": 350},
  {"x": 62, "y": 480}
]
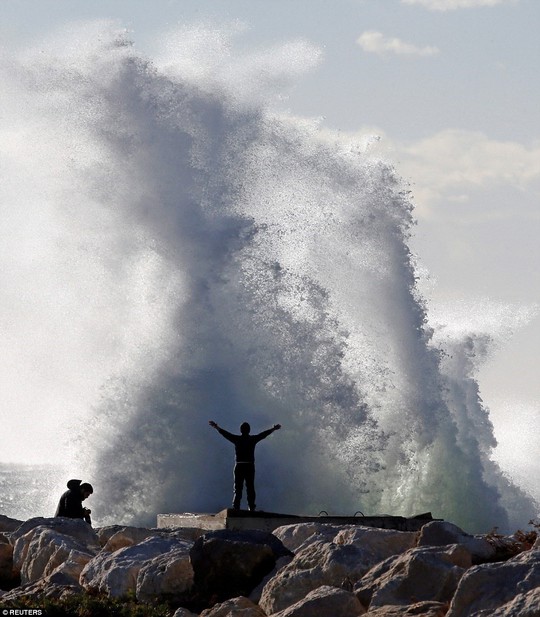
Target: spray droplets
[{"x": 225, "y": 262}]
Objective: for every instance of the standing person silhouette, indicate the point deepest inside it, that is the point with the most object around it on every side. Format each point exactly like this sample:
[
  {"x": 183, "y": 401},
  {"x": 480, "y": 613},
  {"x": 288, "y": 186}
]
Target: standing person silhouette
[{"x": 244, "y": 469}]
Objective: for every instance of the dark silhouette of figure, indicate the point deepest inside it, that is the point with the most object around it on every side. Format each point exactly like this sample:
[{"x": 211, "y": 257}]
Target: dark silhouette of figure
[
  {"x": 70, "y": 504},
  {"x": 244, "y": 469}
]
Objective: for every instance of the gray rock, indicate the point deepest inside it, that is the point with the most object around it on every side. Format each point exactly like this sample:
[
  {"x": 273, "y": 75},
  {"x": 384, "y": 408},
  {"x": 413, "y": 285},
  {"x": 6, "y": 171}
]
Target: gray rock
[
  {"x": 423, "y": 609},
  {"x": 320, "y": 563},
  {"x": 249, "y": 536},
  {"x": 523, "y": 605},
  {"x": 38, "y": 591},
  {"x": 76, "y": 528},
  {"x": 127, "y": 536},
  {"x": 114, "y": 537},
  {"x": 8, "y": 576},
  {"x": 296, "y": 537},
  {"x": 104, "y": 533},
  {"x": 229, "y": 563},
  {"x": 115, "y": 574},
  {"x": 419, "y": 574},
  {"x": 325, "y": 601},
  {"x": 440, "y": 533},
  {"x": 235, "y": 607},
  {"x": 166, "y": 577},
  {"x": 9, "y": 524},
  {"x": 489, "y": 587},
  {"x": 255, "y": 595},
  {"x": 42, "y": 550},
  {"x": 69, "y": 571},
  {"x": 184, "y": 612},
  {"x": 377, "y": 543},
  {"x": 343, "y": 561}
]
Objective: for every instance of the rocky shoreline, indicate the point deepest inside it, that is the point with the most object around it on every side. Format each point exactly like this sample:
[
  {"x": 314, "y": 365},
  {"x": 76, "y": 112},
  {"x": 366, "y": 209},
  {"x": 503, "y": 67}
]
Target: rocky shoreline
[{"x": 300, "y": 570}]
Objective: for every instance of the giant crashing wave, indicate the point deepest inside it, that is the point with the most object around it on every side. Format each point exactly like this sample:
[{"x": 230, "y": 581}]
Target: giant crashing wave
[{"x": 240, "y": 265}]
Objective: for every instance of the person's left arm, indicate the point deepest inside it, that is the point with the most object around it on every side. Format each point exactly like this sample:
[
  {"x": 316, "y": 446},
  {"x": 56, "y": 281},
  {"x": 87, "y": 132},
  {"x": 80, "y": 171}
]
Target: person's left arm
[{"x": 265, "y": 434}]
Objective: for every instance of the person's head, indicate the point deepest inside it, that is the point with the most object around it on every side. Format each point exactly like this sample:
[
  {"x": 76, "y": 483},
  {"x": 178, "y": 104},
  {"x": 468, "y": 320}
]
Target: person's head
[
  {"x": 86, "y": 490},
  {"x": 245, "y": 428}
]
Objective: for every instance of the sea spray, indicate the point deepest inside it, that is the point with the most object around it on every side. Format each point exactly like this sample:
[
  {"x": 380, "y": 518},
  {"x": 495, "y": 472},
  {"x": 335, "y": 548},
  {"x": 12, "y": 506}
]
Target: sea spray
[{"x": 218, "y": 260}]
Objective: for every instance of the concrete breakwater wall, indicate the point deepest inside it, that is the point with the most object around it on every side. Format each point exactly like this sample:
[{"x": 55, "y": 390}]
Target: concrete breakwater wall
[{"x": 268, "y": 521}]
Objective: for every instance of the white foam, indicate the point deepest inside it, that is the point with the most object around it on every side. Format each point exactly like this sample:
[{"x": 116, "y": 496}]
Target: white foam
[{"x": 185, "y": 253}]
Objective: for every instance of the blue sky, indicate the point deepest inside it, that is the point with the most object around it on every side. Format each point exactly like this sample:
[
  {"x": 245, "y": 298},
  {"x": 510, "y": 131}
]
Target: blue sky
[
  {"x": 483, "y": 64},
  {"x": 452, "y": 88}
]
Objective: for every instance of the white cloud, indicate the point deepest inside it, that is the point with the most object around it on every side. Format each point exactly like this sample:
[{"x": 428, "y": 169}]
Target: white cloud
[
  {"x": 451, "y": 165},
  {"x": 457, "y": 159},
  {"x": 451, "y": 5},
  {"x": 375, "y": 42}
]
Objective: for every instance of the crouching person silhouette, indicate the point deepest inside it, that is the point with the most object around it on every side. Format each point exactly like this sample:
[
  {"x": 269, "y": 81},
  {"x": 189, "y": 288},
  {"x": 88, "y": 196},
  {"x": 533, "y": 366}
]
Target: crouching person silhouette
[
  {"x": 244, "y": 469},
  {"x": 70, "y": 504}
]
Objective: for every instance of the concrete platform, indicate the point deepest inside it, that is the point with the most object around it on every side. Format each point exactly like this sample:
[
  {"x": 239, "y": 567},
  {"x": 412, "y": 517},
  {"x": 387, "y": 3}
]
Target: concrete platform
[{"x": 268, "y": 521}]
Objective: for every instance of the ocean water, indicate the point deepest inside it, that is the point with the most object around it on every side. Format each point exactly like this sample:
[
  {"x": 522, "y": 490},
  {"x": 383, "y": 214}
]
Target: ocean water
[
  {"x": 176, "y": 250},
  {"x": 27, "y": 491}
]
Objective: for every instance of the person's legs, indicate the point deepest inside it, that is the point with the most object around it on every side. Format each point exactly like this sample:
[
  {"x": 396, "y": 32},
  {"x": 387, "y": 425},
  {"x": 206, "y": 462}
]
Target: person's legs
[
  {"x": 238, "y": 486},
  {"x": 250, "y": 485}
]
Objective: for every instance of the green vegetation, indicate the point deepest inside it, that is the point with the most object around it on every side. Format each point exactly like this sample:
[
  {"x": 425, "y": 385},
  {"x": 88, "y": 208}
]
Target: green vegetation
[{"x": 89, "y": 606}]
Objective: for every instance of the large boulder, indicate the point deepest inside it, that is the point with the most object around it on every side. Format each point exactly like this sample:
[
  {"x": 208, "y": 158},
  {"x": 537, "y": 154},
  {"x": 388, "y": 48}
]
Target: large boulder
[
  {"x": 104, "y": 533},
  {"x": 74, "y": 527},
  {"x": 523, "y": 605},
  {"x": 486, "y": 588},
  {"x": 69, "y": 571},
  {"x": 339, "y": 563},
  {"x": 42, "y": 550},
  {"x": 320, "y": 563},
  {"x": 230, "y": 563},
  {"x": 247, "y": 536},
  {"x": 166, "y": 577},
  {"x": 419, "y": 574},
  {"x": 440, "y": 533},
  {"x": 387, "y": 541},
  {"x": 423, "y": 609},
  {"x": 325, "y": 601},
  {"x": 377, "y": 543},
  {"x": 298, "y": 536},
  {"x": 8, "y": 577},
  {"x": 255, "y": 595},
  {"x": 38, "y": 591},
  {"x": 127, "y": 536},
  {"x": 235, "y": 607},
  {"x": 115, "y": 574},
  {"x": 115, "y": 537},
  {"x": 184, "y": 612},
  {"x": 9, "y": 524}
]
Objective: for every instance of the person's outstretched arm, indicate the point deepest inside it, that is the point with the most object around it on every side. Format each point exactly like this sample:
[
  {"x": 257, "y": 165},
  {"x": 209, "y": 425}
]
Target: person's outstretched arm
[
  {"x": 222, "y": 431},
  {"x": 265, "y": 434}
]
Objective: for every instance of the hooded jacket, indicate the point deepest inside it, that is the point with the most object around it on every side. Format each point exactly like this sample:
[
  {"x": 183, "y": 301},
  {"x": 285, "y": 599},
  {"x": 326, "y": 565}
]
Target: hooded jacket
[{"x": 70, "y": 504}]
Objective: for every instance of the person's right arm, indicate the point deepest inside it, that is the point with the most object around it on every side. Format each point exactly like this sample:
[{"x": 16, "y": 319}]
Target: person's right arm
[{"x": 222, "y": 431}]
